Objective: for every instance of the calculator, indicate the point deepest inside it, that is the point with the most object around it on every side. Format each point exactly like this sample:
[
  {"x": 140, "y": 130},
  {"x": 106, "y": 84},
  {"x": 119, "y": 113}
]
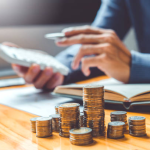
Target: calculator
[{"x": 27, "y": 57}]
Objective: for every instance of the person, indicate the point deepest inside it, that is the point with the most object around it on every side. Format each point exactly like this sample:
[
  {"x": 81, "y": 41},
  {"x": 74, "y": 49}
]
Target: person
[{"x": 97, "y": 49}]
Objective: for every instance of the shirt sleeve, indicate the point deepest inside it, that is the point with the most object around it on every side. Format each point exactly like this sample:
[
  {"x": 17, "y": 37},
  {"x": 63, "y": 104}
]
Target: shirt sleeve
[
  {"x": 140, "y": 68},
  {"x": 66, "y": 57},
  {"x": 113, "y": 14}
]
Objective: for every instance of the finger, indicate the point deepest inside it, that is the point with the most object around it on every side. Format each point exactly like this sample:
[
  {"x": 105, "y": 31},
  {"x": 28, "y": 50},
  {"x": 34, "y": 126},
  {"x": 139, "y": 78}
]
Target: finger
[
  {"x": 82, "y": 30},
  {"x": 87, "y": 50},
  {"x": 110, "y": 38},
  {"x": 43, "y": 78},
  {"x": 32, "y": 73},
  {"x": 80, "y": 39},
  {"x": 20, "y": 70},
  {"x": 10, "y": 44},
  {"x": 55, "y": 80},
  {"x": 89, "y": 62}
]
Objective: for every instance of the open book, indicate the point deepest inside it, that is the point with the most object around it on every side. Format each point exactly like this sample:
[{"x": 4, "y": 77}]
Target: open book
[{"x": 113, "y": 91}]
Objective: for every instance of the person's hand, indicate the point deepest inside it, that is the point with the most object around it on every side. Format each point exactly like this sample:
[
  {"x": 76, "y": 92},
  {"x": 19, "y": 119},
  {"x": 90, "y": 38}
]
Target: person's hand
[
  {"x": 40, "y": 79},
  {"x": 111, "y": 55}
]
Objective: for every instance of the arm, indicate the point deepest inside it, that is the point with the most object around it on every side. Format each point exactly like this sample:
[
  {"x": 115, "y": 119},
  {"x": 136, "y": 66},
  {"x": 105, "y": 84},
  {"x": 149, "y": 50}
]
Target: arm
[
  {"x": 140, "y": 68},
  {"x": 112, "y": 15}
]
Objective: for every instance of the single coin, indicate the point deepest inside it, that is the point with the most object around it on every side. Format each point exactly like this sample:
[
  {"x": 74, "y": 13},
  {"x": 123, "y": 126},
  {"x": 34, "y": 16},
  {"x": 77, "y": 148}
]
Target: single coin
[
  {"x": 136, "y": 118},
  {"x": 116, "y": 123},
  {"x": 82, "y": 130},
  {"x": 138, "y": 123},
  {"x": 116, "y": 131},
  {"x": 115, "y": 128},
  {"x": 115, "y": 137},
  {"x": 55, "y": 116},
  {"x": 137, "y": 131},
  {"x": 34, "y": 119},
  {"x": 70, "y": 105},
  {"x": 118, "y": 113},
  {"x": 44, "y": 121},
  {"x": 133, "y": 127},
  {"x": 93, "y": 86},
  {"x": 137, "y": 135}
]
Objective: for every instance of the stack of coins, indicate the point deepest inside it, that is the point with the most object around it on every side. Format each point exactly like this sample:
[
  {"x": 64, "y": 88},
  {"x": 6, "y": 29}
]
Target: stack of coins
[
  {"x": 56, "y": 109},
  {"x": 69, "y": 118},
  {"x": 115, "y": 130},
  {"x": 82, "y": 136},
  {"x": 120, "y": 116},
  {"x": 137, "y": 126},
  {"x": 33, "y": 124},
  {"x": 55, "y": 122},
  {"x": 81, "y": 119},
  {"x": 93, "y": 102},
  {"x": 44, "y": 127}
]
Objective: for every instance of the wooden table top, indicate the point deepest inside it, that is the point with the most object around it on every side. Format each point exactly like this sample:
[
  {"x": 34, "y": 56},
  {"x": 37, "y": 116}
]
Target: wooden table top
[{"x": 15, "y": 134}]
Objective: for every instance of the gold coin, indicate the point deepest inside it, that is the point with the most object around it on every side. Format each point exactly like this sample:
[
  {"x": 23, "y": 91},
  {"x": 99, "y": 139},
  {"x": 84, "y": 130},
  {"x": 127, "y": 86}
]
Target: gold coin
[{"x": 44, "y": 121}]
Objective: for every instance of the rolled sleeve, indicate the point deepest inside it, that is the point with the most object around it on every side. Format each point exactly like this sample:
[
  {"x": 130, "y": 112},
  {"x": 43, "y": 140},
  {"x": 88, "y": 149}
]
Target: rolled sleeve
[{"x": 140, "y": 68}]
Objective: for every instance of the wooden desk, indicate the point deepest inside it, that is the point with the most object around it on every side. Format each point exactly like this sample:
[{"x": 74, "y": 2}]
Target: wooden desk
[{"x": 15, "y": 134}]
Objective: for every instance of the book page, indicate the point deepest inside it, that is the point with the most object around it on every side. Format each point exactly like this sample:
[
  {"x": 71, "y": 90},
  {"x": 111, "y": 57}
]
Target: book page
[
  {"x": 110, "y": 81},
  {"x": 129, "y": 90}
]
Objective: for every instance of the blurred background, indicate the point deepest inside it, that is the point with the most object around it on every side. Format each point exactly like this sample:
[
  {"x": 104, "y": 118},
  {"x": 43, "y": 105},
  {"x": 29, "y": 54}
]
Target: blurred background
[{"x": 25, "y": 22}]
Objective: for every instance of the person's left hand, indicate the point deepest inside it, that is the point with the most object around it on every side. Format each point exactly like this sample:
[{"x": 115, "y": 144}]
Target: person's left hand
[{"x": 111, "y": 55}]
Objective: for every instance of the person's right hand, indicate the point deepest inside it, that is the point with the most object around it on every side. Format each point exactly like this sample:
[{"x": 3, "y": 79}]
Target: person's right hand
[{"x": 45, "y": 79}]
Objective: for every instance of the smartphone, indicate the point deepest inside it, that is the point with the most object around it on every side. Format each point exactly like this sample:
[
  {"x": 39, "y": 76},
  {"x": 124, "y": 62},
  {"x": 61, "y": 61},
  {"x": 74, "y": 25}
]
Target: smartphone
[{"x": 54, "y": 36}]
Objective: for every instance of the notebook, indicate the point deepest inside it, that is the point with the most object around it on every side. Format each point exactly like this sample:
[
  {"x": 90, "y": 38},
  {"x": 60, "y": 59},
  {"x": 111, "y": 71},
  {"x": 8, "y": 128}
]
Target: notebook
[{"x": 115, "y": 91}]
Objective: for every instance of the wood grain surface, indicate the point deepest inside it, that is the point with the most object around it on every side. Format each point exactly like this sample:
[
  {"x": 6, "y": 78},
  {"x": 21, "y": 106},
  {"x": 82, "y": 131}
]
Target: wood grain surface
[{"x": 15, "y": 134}]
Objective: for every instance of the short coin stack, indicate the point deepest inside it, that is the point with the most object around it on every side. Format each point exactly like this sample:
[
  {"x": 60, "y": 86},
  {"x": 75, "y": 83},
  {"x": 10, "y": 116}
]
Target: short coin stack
[
  {"x": 82, "y": 119},
  {"x": 69, "y": 118},
  {"x": 55, "y": 122},
  {"x": 44, "y": 127},
  {"x": 137, "y": 126},
  {"x": 115, "y": 130},
  {"x": 82, "y": 136},
  {"x": 33, "y": 124},
  {"x": 56, "y": 109},
  {"x": 93, "y": 102},
  {"x": 120, "y": 116}
]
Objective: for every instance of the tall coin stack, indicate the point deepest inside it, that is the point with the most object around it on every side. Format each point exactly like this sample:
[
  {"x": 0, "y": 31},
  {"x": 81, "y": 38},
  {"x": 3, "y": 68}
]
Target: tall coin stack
[
  {"x": 137, "y": 126},
  {"x": 93, "y": 102},
  {"x": 115, "y": 130},
  {"x": 55, "y": 122},
  {"x": 82, "y": 136},
  {"x": 120, "y": 116},
  {"x": 69, "y": 118},
  {"x": 44, "y": 127}
]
